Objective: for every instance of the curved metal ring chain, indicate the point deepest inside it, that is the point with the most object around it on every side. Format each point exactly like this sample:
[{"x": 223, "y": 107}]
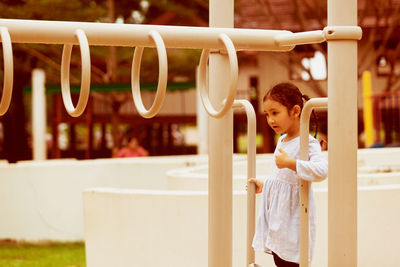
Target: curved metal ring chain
[
  {"x": 85, "y": 75},
  {"x": 233, "y": 64},
  {"x": 8, "y": 70},
  {"x": 162, "y": 77}
]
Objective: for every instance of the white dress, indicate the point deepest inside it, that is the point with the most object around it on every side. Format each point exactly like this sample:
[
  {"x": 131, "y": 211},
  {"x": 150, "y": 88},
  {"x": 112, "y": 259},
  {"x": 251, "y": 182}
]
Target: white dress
[{"x": 277, "y": 227}]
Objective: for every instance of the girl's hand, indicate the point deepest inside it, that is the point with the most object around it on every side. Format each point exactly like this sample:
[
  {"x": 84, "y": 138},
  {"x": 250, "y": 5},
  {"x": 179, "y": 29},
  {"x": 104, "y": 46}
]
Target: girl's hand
[
  {"x": 258, "y": 184},
  {"x": 285, "y": 161}
]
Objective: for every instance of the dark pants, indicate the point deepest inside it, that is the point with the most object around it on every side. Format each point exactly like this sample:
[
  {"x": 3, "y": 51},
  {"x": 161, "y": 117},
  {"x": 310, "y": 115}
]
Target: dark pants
[{"x": 282, "y": 263}]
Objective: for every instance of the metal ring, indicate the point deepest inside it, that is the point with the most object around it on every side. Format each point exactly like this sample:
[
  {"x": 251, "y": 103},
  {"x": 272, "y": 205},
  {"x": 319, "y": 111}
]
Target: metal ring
[
  {"x": 162, "y": 77},
  {"x": 85, "y": 75},
  {"x": 8, "y": 70},
  {"x": 227, "y": 103}
]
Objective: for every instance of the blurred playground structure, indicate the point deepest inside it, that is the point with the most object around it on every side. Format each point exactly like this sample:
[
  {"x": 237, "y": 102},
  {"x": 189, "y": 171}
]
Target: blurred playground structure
[{"x": 131, "y": 208}]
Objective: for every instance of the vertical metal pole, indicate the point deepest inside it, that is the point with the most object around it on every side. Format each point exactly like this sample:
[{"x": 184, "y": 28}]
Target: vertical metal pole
[
  {"x": 89, "y": 126},
  {"x": 202, "y": 121},
  {"x": 251, "y": 173},
  {"x": 342, "y": 129},
  {"x": 38, "y": 115},
  {"x": 304, "y": 184},
  {"x": 220, "y": 149}
]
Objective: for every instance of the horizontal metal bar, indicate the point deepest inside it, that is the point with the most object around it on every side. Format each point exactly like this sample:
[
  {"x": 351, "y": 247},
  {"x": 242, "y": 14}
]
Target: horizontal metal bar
[
  {"x": 288, "y": 39},
  {"x": 342, "y": 33},
  {"x": 327, "y": 34},
  {"x": 111, "y": 34}
]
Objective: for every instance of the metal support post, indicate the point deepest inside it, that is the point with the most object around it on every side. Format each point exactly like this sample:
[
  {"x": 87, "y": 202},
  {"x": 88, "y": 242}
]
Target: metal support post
[
  {"x": 202, "y": 120},
  {"x": 38, "y": 115},
  {"x": 304, "y": 184},
  {"x": 251, "y": 173},
  {"x": 342, "y": 132},
  {"x": 220, "y": 149}
]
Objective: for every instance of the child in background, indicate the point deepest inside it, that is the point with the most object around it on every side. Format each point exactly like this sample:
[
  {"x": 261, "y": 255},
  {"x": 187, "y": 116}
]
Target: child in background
[
  {"x": 277, "y": 228},
  {"x": 132, "y": 149}
]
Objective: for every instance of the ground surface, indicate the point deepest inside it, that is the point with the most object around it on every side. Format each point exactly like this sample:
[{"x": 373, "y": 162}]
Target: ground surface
[{"x": 13, "y": 254}]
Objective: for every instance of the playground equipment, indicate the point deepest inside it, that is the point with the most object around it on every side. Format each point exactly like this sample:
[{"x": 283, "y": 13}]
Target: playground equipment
[
  {"x": 341, "y": 34},
  {"x": 8, "y": 71},
  {"x": 85, "y": 34},
  {"x": 251, "y": 172},
  {"x": 304, "y": 184}
]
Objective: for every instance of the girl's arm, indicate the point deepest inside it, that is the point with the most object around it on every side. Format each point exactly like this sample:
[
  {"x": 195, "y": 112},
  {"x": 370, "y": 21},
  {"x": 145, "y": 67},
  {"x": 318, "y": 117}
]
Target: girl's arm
[
  {"x": 316, "y": 168},
  {"x": 283, "y": 160}
]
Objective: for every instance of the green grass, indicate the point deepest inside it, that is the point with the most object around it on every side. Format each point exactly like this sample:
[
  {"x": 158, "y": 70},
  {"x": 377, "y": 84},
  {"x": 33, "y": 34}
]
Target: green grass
[{"x": 14, "y": 254}]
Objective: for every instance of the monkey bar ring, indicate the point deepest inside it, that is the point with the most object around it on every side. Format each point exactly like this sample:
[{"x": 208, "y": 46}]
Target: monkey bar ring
[
  {"x": 162, "y": 77},
  {"x": 227, "y": 103},
  {"x": 85, "y": 75}
]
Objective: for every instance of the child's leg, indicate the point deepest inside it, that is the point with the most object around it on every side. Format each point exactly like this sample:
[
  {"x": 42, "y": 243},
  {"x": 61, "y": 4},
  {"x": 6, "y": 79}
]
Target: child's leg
[{"x": 282, "y": 263}]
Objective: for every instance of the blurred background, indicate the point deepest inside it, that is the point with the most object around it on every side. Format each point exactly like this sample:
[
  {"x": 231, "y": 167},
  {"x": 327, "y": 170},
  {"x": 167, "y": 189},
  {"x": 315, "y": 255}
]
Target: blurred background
[{"x": 110, "y": 116}]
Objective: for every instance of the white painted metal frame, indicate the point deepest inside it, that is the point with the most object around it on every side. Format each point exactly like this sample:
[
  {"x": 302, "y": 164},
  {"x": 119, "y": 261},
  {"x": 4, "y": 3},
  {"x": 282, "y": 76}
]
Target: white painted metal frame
[
  {"x": 342, "y": 132},
  {"x": 304, "y": 184},
  {"x": 8, "y": 70},
  {"x": 328, "y": 33},
  {"x": 220, "y": 165},
  {"x": 162, "y": 77},
  {"x": 39, "y": 147},
  {"x": 251, "y": 173},
  {"x": 342, "y": 35},
  {"x": 109, "y": 34},
  {"x": 69, "y": 33},
  {"x": 233, "y": 70},
  {"x": 85, "y": 75}
]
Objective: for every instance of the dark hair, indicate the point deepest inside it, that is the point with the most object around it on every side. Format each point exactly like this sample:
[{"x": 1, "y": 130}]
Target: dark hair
[
  {"x": 289, "y": 95},
  {"x": 131, "y": 137}
]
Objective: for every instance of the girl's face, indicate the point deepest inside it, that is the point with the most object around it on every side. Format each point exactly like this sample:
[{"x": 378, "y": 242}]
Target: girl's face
[{"x": 279, "y": 118}]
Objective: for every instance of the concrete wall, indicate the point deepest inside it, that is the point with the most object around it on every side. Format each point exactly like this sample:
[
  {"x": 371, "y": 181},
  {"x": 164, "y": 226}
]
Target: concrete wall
[
  {"x": 153, "y": 228},
  {"x": 375, "y": 167},
  {"x": 169, "y": 228},
  {"x": 199, "y": 182},
  {"x": 378, "y": 231},
  {"x": 43, "y": 200},
  {"x": 196, "y": 178}
]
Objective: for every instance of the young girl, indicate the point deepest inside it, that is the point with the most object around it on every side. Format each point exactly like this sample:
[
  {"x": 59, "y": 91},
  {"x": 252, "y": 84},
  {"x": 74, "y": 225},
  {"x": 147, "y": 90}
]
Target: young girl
[{"x": 277, "y": 229}]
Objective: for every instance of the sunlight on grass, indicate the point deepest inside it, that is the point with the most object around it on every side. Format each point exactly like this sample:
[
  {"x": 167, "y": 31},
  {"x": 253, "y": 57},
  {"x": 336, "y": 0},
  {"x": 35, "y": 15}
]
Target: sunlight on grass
[
  {"x": 242, "y": 142},
  {"x": 14, "y": 254}
]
